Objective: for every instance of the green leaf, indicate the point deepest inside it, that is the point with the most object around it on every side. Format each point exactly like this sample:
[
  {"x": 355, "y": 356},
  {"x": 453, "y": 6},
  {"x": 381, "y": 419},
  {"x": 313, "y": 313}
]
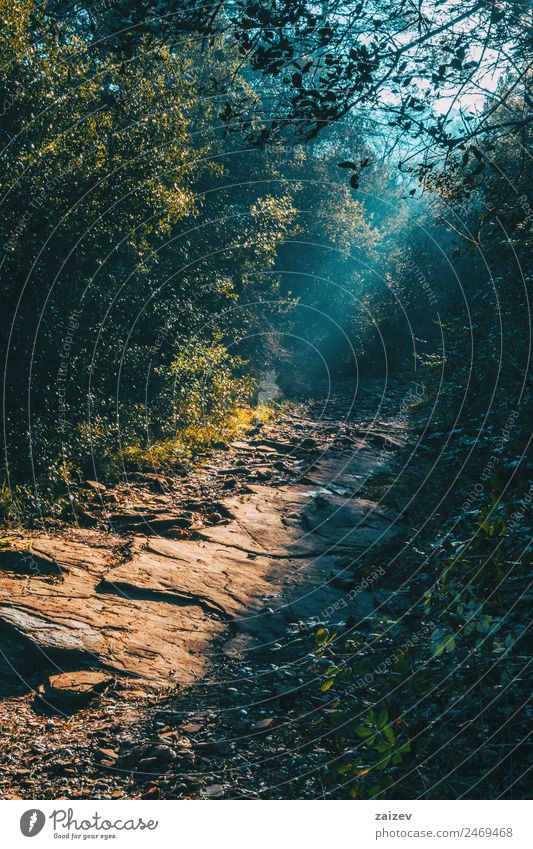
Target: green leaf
[
  {"x": 389, "y": 735},
  {"x": 383, "y": 718},
  {"x": 364, "y": 732},
  {"x": 342, "y": 770},
  {"x": 438, "y": 649},
  {"x": 449, "y": 642}
]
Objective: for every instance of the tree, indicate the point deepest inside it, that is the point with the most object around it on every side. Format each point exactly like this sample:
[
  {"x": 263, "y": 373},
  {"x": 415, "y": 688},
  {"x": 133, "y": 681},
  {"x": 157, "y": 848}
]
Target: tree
[
  {"x": 419, "y": 68},
  {"x": 106, "y": 272}
]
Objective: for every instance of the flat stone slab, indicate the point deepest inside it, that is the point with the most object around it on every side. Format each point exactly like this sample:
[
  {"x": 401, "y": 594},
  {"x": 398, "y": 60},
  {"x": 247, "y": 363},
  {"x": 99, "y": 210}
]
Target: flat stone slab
[{"x": 75, "y": 688}]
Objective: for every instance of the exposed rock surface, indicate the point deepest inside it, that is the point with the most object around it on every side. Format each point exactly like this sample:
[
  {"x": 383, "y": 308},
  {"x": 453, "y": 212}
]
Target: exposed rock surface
[
  {"x": 182, "y": 580},
  {"x": 149, "y": 608}
]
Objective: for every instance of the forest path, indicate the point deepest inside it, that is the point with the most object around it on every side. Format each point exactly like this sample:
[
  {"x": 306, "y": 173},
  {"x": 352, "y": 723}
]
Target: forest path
[{"x": 270, "y": 534}]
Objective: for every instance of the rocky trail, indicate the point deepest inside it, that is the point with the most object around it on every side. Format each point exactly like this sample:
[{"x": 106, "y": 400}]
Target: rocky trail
[{"x": 158, "y": 648}]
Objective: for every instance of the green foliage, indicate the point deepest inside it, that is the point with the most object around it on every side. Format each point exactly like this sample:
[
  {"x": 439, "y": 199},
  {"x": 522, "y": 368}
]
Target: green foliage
[
  {"x": 395, "y": 698},
  {"x": 395, "y": 61},
  {"x": 206, "y": 388},
  {"x": 121, "y": 317},
  {"x": 6, "y": 502}
]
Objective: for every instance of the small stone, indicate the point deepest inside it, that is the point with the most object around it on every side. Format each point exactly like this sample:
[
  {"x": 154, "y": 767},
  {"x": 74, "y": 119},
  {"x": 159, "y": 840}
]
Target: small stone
[
  {"x": 96, "y": 486},
  {"x": 75, "y": 688},
  {"x": 191, "y": 727},
  {"x": 148, "y": 765},
  {"x": 263, "y": 723},
  {"x": 151, "y": 793},
  {"x": 107, "y": 754},
  {"x": 215, "y": 791}
]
